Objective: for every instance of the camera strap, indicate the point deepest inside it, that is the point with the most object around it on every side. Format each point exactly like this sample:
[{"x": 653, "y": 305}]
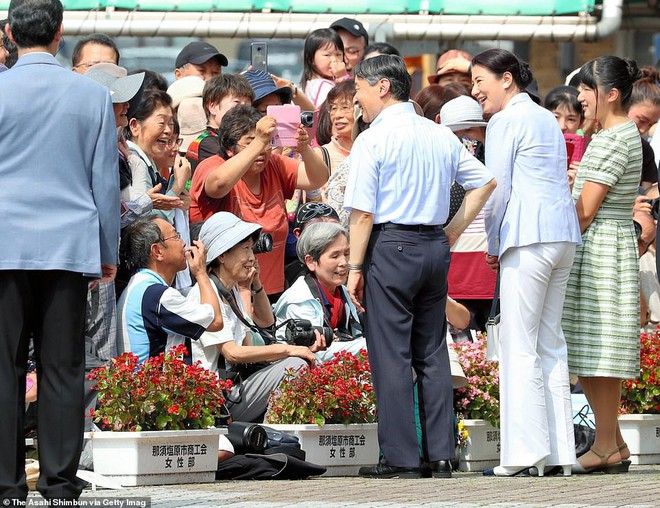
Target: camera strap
[
  {"x": 317, "y": 292},
  {"x": 342, "y": 333},
  {"x": 267, "y": 334}
]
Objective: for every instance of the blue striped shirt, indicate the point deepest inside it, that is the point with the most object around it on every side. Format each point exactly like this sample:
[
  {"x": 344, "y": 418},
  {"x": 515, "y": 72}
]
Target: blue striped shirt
[{"x": 154, "y": 316}]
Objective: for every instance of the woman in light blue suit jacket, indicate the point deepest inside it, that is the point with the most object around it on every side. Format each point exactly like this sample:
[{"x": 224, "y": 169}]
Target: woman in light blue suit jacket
[{"x": 532, "y": 232}]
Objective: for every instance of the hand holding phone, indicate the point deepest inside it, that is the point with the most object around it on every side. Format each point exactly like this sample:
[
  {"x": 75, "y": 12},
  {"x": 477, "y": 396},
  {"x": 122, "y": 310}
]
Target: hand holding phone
[
  {"x": 288, "y": 121},
  {"x": 575, "y": 147},
  {"x": 259, "y": 56}
]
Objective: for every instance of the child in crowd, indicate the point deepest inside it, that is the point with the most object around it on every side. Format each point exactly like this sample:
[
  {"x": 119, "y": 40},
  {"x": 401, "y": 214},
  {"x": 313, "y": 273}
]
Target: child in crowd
[
  {"x": 323, "y": 64},
  {"x": 563, "y": 103},
  {"x": 220, "y": 95}
]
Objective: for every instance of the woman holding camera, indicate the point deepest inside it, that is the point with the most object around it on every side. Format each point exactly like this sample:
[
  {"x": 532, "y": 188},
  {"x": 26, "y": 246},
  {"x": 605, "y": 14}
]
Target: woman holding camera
[
  {"x": 253, "y": 183},
  {"x": 601, "y": 314},
  {"x": 320, "y": 296},
  {"x": 231, "y": 264}
]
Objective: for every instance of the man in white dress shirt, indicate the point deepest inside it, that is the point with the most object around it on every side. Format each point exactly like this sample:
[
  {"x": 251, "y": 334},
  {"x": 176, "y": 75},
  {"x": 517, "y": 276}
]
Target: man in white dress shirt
[{"x": 401, "y": 171}]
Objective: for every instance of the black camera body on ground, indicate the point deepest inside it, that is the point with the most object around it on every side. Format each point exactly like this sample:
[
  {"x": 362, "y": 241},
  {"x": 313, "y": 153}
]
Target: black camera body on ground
[
  {"x": 263, "y": 244},
  {"x": 300, "y": 332}
]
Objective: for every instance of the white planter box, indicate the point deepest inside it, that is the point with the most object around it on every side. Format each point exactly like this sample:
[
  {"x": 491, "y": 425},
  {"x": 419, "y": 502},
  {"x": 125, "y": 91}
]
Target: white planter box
[
  {"x": 642, "y": 434},
  {"x": 482, "y": 450},
  {"x": 343, "y": 449},
  {"x": 157, "y": 457}
]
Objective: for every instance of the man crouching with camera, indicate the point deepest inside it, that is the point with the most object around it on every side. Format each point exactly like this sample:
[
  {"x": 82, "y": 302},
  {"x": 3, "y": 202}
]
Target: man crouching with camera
[{"x": 231, "y": 262}]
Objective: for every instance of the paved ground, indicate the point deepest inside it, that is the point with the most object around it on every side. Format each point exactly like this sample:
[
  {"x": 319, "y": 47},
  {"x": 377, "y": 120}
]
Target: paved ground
[{"x": 639, "y": 488}]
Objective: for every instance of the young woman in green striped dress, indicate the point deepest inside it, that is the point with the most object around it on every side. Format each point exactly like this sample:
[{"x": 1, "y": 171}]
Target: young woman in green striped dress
[{"x": 601, "y": 311}]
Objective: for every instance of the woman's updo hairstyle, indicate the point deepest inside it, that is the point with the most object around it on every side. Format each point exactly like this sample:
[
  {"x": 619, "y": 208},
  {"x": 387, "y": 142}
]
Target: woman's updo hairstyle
[
  {"x": 608, "y": 72},
  {"x": 499, "y": 61}
]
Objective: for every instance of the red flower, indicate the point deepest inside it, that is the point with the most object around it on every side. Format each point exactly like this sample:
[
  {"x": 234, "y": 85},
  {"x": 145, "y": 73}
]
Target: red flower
[
  {"x": 642, "y": 395},
  {"x": 162, "y": 393},
  {"x": 337, "y": 391}
]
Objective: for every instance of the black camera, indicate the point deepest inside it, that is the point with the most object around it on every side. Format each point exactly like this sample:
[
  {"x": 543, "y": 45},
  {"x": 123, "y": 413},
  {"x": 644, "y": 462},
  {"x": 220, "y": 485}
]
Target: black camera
[
  {"x": 263, "y": 244},
  {"x": 247, "y": 437},
  {"x": 301, "y": 333},
  {"x": 655, "y": 207},
  {"x": 307, "y": 119}
]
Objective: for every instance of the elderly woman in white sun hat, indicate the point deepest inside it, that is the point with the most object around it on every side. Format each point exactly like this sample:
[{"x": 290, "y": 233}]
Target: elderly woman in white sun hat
[
  {"x": 470, "y": 281},
  {"x": 231, "y": 262}
]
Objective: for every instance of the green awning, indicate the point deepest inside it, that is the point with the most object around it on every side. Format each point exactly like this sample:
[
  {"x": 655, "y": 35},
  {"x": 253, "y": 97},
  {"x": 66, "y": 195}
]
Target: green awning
[{"x": 450, "y": 7}]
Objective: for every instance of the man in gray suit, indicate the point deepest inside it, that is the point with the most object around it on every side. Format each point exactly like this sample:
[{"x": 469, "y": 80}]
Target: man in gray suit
[{"x": 60, "y": 229}]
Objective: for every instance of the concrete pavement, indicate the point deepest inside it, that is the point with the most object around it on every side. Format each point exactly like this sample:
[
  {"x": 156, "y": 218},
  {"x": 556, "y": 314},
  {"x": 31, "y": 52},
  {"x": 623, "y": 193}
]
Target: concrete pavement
[{"x": 636, "y": 489}]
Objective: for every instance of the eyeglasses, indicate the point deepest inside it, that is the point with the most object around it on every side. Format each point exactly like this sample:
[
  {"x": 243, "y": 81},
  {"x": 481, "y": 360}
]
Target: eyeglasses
[
  {"x": 176, "y": 237},
  {"x": 87, "y": 65},
  {"x": 174, "y": 143}
]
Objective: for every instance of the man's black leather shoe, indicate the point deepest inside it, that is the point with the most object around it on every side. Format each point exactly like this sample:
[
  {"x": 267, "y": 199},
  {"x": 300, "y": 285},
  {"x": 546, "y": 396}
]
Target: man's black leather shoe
[
  {"x": 381, "y": 470},
  {"x": 441, "y": 469}
]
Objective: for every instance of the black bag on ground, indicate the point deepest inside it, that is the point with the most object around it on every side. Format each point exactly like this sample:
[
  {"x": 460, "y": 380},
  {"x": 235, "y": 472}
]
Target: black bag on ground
[
  {"x": 280, "y": 442},
  {"x": 584, "y": 438},
  {"x": 584, "y": 432},
  {"x": 278, "y": 466}
]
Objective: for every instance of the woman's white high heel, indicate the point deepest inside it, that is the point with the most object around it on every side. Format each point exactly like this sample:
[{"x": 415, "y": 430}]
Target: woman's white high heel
[{"x": 506, "y": 471}]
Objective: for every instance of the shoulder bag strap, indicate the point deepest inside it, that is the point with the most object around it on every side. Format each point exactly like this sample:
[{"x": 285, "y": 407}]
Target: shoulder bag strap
[
  {"x": 494, "y": 309},
  {"x": 227, "y": 295},
  {"x": 326, "y": 158}
]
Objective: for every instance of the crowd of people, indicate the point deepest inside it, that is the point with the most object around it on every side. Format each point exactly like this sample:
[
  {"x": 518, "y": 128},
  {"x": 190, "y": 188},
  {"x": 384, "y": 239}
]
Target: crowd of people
[{"x": 201, "y": 213}]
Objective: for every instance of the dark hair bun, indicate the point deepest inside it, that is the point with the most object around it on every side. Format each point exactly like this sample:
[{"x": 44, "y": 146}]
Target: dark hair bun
[
  {"x": 633, "y": 70},
  {"x": 524, "y": 74}
]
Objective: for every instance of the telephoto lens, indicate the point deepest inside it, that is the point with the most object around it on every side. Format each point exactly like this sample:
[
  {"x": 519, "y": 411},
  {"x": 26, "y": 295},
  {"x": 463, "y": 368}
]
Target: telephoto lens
[{"x": 247, "y": 437}]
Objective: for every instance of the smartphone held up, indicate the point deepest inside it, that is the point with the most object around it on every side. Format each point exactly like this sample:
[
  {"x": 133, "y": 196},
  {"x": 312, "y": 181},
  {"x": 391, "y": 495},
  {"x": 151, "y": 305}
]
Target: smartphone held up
[{"x": 259, "y": 56}]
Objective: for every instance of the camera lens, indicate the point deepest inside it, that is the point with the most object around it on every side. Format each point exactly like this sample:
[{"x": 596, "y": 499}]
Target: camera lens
[
  {"x": 263, "y": 244},
  {"x": 247, "y": 437},
  {"x": 307, "y": 118}
]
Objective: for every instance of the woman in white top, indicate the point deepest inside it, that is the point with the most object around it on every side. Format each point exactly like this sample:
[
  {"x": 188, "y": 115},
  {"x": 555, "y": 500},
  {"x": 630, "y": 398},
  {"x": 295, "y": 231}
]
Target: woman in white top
[
  {"x": 532, "y": 232},
  {"x": 230, "y": 258}
]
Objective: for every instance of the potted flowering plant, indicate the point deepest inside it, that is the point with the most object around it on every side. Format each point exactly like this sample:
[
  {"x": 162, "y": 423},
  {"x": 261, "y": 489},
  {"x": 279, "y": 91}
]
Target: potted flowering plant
[
  {"x": 479, "y": 399},
  {"x": 163, "y": 393},
  {"x": 640, "y": 404},
  {"x": 337, "y": 391},
  {"x": 159, "y": 418},
  {"x": 478, "y": 408},
  {"x": 331, "y": 409},
  {"x": 642, "y": 395}
]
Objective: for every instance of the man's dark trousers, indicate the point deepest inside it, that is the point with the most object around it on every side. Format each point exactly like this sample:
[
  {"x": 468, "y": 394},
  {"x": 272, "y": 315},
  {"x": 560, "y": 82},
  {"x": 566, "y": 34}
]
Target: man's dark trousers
[
  {"x": 405, "y": 296},
  {"x": 51, "y": 306}
]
